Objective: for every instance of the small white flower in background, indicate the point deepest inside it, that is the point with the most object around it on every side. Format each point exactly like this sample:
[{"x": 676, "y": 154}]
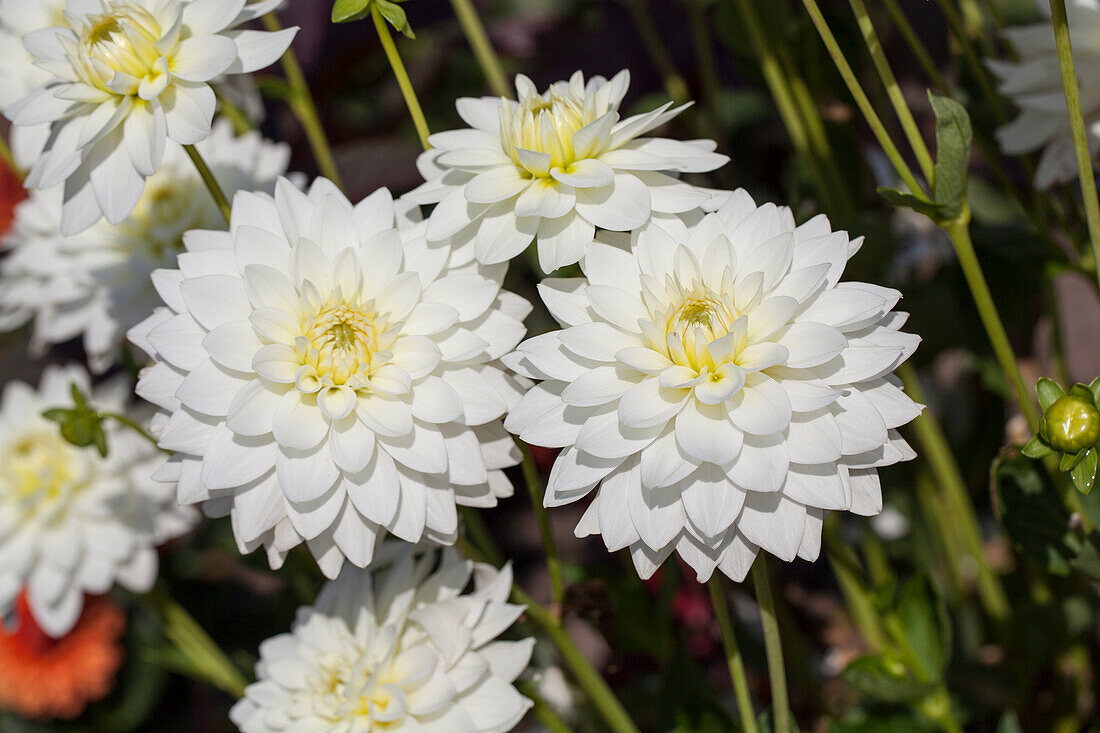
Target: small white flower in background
[
  {"x": 329, "y": 376},
  {"x": 96, "y": 285},
  {"x": 404, "y": 648},
  {"x": 720, "y": 386},
  {"x": 1034, "y": 84},
  {"x": 555, "y": 166},
  {"x": 72, "y": 522},
  {"x": 125, "y": 77}
]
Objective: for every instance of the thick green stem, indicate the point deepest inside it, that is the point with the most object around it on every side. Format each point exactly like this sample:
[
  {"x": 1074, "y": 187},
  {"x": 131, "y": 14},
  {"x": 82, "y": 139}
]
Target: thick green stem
[
  {"x": 304, "y": 108},
  {"x": 773, "y": 645},
  {"x": 546, "y": 530},
  {"x": 733, "y": 655},
  {"x": 864, "y": 104},
  {"x": 893, "y": 91},
  {"x": 402, "y": 76},
  {"x": 483, "y": 47},
  {"x": 674, "y": 83},
  {"x": 207, "y": 660},
  {"x": 1077, "y": 124},
  {"x": 209, "y": 180},
  {"x": 936, "y": 451}
]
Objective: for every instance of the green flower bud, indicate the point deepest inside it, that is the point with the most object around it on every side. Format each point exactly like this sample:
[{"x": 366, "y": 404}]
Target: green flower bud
[{"x": 1070, "y": 424}]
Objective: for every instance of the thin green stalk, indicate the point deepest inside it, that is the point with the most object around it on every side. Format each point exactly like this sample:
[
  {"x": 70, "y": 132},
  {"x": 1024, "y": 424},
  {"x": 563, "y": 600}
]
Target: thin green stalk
[
  {"x": 704, "y": 53},
  {"x": 1077, "y": 124},
  {"x": 402, "y": 75},
  {"x": 542, "y": 710},
  {"x": 479, "y": 533},
  {"x": 127, "y": 422},
  {"x": 857, "y": 598},
  {"x": 958, "y": 30},
  {"x": 209, "y": 180},
  {"x": 936, "y": 451},
  {"x": 304, "y": 108},
  {"x": 733, "y": 655},
  {"x": 546, "y": 530},
  {"x": 893, "y": 91},
  {"x": 940, "y": 524},
  {"x": 915, "y": 45},
  {"x": 864, "y": 104},
  {"x": 674, "y": 83},
  {"x": 208, "y": 660},
  {"x": 236, "y": 115},
  {"x": 483, "y": 48},
  {"x": 773, "y": 645}
]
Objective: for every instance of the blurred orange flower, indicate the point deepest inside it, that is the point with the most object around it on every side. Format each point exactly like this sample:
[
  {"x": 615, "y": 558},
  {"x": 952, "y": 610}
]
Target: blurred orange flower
[
  {"x": 42, "y": 677},
  {"x": 11, "y": 193}
]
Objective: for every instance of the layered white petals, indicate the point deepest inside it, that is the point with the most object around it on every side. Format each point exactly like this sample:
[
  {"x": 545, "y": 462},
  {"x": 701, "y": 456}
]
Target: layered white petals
[
  {"x": 718, "y": 387},
  {"x": 553, "y": 167},
  {"x": 330, "y": 376}
]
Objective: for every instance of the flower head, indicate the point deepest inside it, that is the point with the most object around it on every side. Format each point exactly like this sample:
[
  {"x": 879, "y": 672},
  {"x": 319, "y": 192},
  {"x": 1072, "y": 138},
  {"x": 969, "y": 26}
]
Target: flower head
[
  {"x": 401, "y": 649},
  {"x": 72, "y": 522},
  {"x": 329, "y": 376},
  {"x": 43, "y": 677},
  {"x": 96, "y": 285},
  {"x": 720, "y": 386},
  {"x": 125, "y": 77},
  {"x": 1034, "y": 84},
  {"x": 553, "y": 167}
]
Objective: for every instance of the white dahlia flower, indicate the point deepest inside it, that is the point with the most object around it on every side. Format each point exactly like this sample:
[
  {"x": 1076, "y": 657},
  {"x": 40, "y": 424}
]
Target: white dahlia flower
[
  {"x": 125, "y": 77},
  {"x": 96, "y": 285},
  {"x": 720, "y": 387},
  {"x": 403, "y": 649},
  {"x": 72, "y": 522},
  {"x": 1034, "y": 84},
  {"x": 554, "y": 167},
  {"x": 329, "y": 376}
]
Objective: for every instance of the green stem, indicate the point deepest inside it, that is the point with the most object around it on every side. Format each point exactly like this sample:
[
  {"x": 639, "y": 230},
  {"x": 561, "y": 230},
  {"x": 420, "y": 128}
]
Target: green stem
[
  {"x": 236, "y": 115},
  {"x": 1077, "y": 124},
  {"x": 208, "y": 178},
  {"x": 704, "y": 52},
  {"x": 937, "y": 452},
  {"x": 958, "y": 30},
  {"x": 915, "y": 45},
  {"x": 674, "y": 83},
  {"x": 857, "y": 597},
  {"x": 479, "y": 533},
  {"x": 402, "y": 75},
  {"x": 864, "y": 104},
  {"x": 542, "y": 710},
  {"x": 773, "y": 645},
  {"x": 549, "y": 546},
  {"x": 893, "y": 91},
  {"x": 304, "y": 108},
  {"x": 132, "y": 426},
  {"x": 733, "y": 655},
  {"x": 483, "y": 48},
  {"x": 208, "y": 660}
]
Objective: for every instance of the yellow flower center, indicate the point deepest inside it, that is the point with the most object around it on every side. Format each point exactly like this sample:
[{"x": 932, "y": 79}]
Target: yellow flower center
[
  {"x": 337, "y": 348},
  {"x": 544, "y": 124},
  {"x": 118, "y": 50},
  {"x": 696, "y": 322},
  {"x": 171, "y": 205},
  {"x": 37, "y": 470}
]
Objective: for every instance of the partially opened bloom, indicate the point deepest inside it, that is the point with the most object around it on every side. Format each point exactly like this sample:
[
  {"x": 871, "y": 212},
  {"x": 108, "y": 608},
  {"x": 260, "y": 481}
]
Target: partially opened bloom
[
  {"x": 401, "y": 649},
  {"x": 125, "y": 77},
  {"x": 328, "y": 376},
  {"x": 1034, "y": 84},
  {"x": 43, "y": 677},
  {"x": 96, "y": 285},
  {"x": 72, "y": 522},
  {"x": 720, "y": 387},
  {"x": 555, "y": 166}
]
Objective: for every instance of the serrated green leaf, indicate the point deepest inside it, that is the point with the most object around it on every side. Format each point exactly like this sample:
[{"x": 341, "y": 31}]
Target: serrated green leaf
[
  {"x": 886, "y": 680},
  {"x": 1048, "y": 391},
  {"x": 1084, "y": 473},
  {"x": 346, "y": 11},
  {"x": 926, "y": 627},
  {"x": 953, "y": 138},
  {"x": 1036, "y": 448},
  {"x": 909, "y": 201}
]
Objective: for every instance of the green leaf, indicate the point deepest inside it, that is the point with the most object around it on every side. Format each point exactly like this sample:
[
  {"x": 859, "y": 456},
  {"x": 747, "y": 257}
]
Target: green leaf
[
  {"x": 1084, "y": 473},
  {"x": 1070, "y": 460},
  {"x": 396, "y": 16},
  {"x": 346, "y": 11},
  {"x": 909, "y": 201},
  {"x": 953, "y": 138},
  {"x": 1049, "y": 391},
  {"x": 1094, "y": 387},
  {"x": 885, "y": 679},
  {"x": 926, "y": 627},
  {"x": 1036, "y": 448},
  {"x": 1087, "y": 561},
  {"x": 1033, "y": 516}
]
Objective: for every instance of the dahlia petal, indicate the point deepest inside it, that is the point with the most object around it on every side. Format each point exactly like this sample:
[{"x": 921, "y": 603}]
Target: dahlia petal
[
  {"x": 705, "y": 433},
  {"x": 774, "y": 523},
  {"x": 231, "y": 460},
  {"x": 762, "y": 464},
  {"x": 201, "y": 58},
  {"x": 188, "y": 111},
  {"x": 563, "y": 241},
  {"x": 258, "y": 49},
  {"x": 305, "y": 475},
  {"x": 711, "y": 503},
  {"x": 621, "y": 206}
]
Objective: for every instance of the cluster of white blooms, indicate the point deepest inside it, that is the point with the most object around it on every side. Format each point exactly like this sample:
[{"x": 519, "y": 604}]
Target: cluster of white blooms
[
  {"x": 328, "y": 375},
  {"x": 72, "y": 522},
  {"x": 720, "y": 386},
  {"x": 405, "y": 648},
  {"x": 1034, "y": 83},
  {"x": 126, "y": 76},
  {"x": 96, "y": 285}
]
